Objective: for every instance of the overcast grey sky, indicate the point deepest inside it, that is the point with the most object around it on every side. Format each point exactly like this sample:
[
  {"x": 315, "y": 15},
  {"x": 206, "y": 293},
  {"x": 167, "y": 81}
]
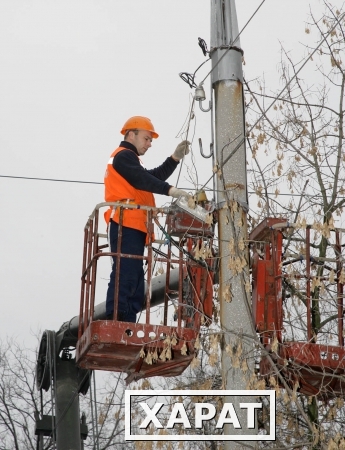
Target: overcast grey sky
[{"x": 72, "y": 72}]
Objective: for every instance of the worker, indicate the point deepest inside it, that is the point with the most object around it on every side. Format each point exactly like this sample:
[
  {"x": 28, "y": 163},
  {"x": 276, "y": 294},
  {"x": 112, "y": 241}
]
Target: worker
[{"x": 126, "y": 180}]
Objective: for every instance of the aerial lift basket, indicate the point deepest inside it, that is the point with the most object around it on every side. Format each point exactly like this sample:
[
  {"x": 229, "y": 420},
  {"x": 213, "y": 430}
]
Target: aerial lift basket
[
  {"x": 313, "y": 361},
  {"x": 150, "y": 348}
]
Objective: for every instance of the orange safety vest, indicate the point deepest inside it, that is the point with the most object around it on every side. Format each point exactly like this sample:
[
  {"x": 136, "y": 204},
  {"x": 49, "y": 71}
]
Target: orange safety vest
[{"x": 118, "y": 189}]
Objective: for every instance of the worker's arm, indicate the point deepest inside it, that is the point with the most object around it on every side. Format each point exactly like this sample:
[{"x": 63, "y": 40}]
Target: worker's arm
[
  {"x": 127, "y": 164},
  {"x": 164, "y": 171}
]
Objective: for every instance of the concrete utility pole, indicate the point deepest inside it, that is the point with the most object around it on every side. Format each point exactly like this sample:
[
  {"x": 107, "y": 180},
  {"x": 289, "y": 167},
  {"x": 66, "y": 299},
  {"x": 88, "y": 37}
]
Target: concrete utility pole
[{"x": 227, "y": 79}]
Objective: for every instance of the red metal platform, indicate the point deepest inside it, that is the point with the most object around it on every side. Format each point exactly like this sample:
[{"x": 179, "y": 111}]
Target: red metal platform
[
  {"x": 139, "y": 350},
  {"x": 318, "y": 369}
]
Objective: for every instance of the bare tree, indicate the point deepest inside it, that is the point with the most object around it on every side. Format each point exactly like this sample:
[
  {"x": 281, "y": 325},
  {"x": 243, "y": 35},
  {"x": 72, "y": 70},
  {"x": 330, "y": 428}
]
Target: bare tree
[
  {"x": 21, "y": 405},
  {"x": 19, "y": 399},
  {"x": 296, "y": 137}
]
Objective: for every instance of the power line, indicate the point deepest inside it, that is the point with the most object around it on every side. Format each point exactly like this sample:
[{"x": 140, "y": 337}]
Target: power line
[
  {"x": 51, "y": 179},
  {"x": 97, "y": 182}
]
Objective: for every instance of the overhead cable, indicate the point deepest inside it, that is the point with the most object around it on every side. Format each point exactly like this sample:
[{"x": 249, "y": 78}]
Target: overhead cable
[{"x": 51, "y": 179}]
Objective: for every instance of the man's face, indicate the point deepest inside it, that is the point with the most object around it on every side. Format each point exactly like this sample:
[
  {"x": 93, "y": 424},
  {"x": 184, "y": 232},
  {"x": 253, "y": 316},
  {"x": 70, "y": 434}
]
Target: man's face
[{"x": 142, "y": 141}]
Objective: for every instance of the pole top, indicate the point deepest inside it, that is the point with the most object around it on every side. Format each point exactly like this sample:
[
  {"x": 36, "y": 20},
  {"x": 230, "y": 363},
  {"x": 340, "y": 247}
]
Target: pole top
[{"x": 226, "y": 52}]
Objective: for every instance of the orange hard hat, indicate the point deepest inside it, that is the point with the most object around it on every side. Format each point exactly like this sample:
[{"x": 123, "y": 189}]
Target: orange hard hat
[{"x": 139, "y": 123}]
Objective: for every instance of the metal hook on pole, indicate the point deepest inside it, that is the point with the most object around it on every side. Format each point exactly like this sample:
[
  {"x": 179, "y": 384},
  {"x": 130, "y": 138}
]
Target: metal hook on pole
[
  {"x": 205, "y": 110},
  {"x": 202, "y": 151}
]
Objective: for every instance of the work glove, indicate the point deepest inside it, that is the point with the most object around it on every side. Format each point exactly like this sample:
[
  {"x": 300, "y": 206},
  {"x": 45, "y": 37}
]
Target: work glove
[
  {"x": 177, "y": 193},
  {"x": 181, "y": 150}
]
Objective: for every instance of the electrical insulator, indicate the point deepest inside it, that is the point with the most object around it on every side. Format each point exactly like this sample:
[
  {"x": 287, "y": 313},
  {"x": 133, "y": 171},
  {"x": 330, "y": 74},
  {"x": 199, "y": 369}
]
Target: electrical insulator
[{"x": 200, "y": 94}]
